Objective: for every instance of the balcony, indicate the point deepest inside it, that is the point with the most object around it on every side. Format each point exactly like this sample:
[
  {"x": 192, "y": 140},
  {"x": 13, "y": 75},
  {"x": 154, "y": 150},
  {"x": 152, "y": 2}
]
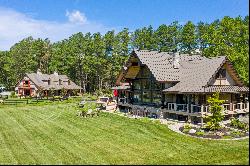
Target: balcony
[{"x": 202, "y": 110}]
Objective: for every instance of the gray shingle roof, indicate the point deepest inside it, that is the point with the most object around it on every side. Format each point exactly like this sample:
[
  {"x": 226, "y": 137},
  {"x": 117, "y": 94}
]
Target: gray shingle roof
[
  {"x": 231, "y": 89},
  {"x": 193, "y": 73},
  {"x": 39, "y": 79},
  {"x": 159, "y": 64}
]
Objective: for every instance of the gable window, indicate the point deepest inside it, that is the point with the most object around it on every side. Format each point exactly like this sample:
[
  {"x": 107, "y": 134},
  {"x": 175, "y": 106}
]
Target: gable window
[
  {"x": 60, "y": 82},
  {"x": 134, "y": 63},
  {"x": 48, "y": 82},
  {"x": 68, "y": 82},
  {"x": 221, "y": 74}
]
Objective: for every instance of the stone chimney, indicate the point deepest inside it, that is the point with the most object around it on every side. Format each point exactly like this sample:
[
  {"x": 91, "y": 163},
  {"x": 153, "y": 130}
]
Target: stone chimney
[
  {"x": 176, "y": 60},
  {"x": 39, "y": 72}
]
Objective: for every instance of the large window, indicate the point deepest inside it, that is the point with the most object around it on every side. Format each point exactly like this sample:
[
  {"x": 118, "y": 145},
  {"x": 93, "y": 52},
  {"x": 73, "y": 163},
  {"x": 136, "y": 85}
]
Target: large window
[
  {"x": 146, "y": 97},
  {"x": 146, "y": 84},
  {"x": 146, "y": 88},
  {"x": 156, "y": 85},
  {"x": 157, "y": 97},
  {"x": 137, "y": 84},
  {"x": 137, "y": 97}
]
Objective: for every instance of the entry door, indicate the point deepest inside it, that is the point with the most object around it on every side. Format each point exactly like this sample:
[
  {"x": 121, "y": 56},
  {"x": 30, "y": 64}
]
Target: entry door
[{"x": 27, "y": 92}]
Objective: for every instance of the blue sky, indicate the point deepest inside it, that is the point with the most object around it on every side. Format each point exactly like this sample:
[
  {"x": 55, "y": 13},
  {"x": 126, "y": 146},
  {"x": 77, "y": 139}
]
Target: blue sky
[{"x": 58, "y": 19}]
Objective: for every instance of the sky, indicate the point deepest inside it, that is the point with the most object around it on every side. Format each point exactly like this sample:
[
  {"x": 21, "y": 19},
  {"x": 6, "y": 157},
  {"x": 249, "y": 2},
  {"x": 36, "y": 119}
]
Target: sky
[{"x": 59, "y": 19}]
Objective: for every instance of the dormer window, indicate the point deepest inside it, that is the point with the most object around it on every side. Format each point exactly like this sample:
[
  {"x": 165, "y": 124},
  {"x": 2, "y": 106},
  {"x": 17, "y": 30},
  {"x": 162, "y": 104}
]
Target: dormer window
[
  {"x": 221, "y": 74},
  {"x": 68, "y": 82}
]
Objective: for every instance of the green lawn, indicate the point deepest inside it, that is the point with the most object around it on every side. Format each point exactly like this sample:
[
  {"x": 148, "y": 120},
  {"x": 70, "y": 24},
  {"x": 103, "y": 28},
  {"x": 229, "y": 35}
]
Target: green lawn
[{"x": 53, "y": 134}]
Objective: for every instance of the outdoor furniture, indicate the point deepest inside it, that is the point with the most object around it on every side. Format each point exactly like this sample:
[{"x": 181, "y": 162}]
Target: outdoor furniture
[{"x": 81, "y": 104}]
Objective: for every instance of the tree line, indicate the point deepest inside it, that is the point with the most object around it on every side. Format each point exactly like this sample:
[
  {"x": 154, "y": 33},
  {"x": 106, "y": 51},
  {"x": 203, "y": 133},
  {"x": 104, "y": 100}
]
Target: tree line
[{"x": 95, "y": 60}]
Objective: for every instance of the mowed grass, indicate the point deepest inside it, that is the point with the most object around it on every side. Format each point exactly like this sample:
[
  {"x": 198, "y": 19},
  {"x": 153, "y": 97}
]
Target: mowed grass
[{"x": 53, "y": 134}]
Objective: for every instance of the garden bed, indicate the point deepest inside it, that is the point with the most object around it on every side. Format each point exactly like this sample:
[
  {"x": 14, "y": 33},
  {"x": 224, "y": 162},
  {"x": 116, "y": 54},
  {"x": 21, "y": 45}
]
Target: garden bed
[{"x": 223, "y": 133}]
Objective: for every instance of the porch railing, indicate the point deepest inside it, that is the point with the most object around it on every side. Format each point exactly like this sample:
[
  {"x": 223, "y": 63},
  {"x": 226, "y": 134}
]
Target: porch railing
[{"x": 192, "y": 108}]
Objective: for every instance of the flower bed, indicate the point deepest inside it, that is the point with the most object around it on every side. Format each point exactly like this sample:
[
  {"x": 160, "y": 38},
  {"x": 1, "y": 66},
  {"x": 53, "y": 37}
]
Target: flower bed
[{"x": 223, "y": 133}]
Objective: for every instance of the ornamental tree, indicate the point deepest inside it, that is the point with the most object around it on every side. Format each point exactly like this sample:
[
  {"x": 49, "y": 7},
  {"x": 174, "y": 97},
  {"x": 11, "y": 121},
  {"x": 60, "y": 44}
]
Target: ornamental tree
[{"x": 213, "y": 121}]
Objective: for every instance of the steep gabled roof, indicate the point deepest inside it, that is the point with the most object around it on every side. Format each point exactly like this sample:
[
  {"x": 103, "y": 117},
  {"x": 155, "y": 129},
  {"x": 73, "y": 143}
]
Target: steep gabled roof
[
  {"x": 160, "y": 64},
  {"x": 38, "y": 79},
  {"x": 193, "y": 74}
]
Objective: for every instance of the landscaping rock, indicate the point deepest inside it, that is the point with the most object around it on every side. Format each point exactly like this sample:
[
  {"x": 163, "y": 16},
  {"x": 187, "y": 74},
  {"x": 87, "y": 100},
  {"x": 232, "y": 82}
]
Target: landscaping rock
[
  {"x": 219, "y": 133},
  {"x": 192, "y": 131}
]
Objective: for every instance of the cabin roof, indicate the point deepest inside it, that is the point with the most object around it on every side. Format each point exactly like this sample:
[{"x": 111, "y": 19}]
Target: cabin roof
[
  {"x": 39, "y": 78},
  {"x": 193, "y": 74}
]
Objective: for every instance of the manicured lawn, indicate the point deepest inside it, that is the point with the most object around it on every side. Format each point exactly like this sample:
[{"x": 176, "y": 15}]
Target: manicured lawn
[{"x": 53, "y": 134}]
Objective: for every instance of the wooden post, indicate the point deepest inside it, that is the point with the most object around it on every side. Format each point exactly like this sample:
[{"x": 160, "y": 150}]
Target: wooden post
[
  {"x": 202, "y": 109},
  {"x": 189, "y": 119},
  {"x": 201, "y": 121}
]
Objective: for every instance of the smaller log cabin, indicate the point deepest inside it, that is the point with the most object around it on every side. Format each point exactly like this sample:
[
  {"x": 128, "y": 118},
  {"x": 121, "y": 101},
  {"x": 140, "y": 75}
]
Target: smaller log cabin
[
  {"x": 41, "y": 85},
  {"x": 177, "y": 86}
]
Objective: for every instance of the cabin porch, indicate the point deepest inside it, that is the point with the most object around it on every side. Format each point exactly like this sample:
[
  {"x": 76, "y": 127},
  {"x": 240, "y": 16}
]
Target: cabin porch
[{"x": 184, "y": 107}]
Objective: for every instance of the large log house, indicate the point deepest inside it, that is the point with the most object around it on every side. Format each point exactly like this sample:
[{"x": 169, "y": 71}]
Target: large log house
[{"x": 170, "y": 85}]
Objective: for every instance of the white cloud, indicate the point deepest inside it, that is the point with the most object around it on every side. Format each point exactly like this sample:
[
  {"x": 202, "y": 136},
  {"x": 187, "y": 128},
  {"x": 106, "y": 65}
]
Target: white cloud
[
  {"x": 15, "y": 26},
  {"x": 76, "y": 17}
]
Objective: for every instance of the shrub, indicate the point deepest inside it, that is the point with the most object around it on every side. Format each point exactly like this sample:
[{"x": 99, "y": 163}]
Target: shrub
[
  {"x": 185, "y": 130},
  {"x": 238, "y": 124},
  {"x": 145, "y": 120},
  {"x": 234, "y": 122},
  {"x": 236, "y": 133},
  {"x": 12, "y": 94},
  {"x": 199, "y": 133},
  {"x": 187, "y": 126}
]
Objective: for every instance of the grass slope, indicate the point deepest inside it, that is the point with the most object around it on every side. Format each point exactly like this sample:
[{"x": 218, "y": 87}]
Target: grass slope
[{"x": 53, "y": 134}]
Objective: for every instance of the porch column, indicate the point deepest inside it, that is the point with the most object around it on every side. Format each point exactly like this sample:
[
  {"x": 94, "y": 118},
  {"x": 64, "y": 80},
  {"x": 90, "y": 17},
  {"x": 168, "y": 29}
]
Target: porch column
[
  {"x": 231, "y": 106},
  {"x": 189, "y": 119},
  {"x": 202, "y": 109},
  {"x": 201, "y": 121}
]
